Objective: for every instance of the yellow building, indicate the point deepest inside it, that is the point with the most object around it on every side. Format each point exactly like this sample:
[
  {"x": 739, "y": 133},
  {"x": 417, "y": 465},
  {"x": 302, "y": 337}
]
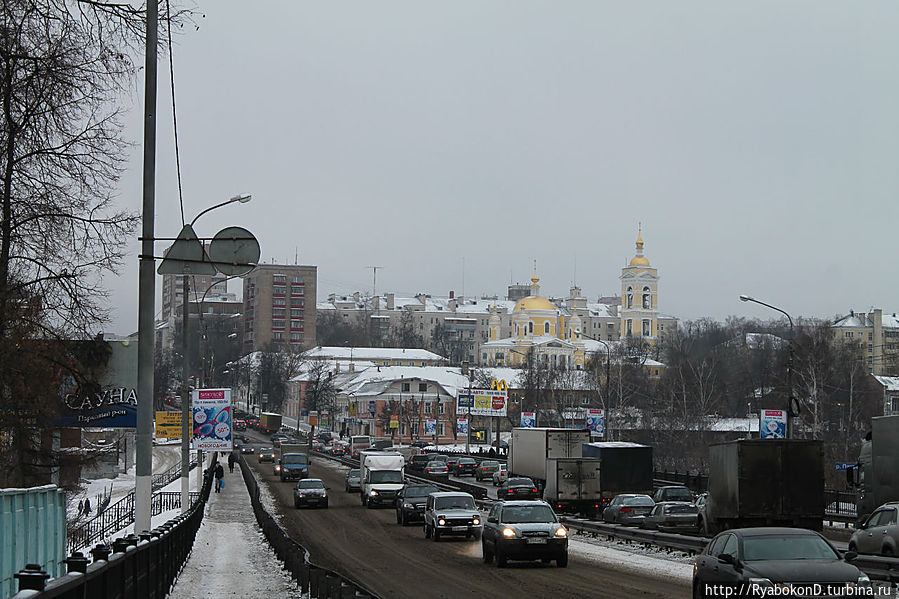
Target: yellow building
[{"x": 639, "y": 297}]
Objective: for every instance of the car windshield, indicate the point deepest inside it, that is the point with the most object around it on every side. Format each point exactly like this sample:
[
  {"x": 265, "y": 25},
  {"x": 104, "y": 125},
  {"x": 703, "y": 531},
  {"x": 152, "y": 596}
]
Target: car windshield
[
  {"x": 310, "y": 484},
  {"x": 459, "y": 503},
  {"x": 385, "y": 476},
  {"x": 517, "y": 514},
  {"x": 294, "y": 458},
  {"x": 420, "y": 491},
  {"x": 489, "y": 464},
  {"x": 678, "y": 495},
  {"x": 520, "y": 482},
  {"x": 266, "y": 450},
  {"x": 354, "y": 473},
  {"x": 786, "y": 547},
  {"x": 680, "y": 509},
  {"x": 643, "y": 500}
]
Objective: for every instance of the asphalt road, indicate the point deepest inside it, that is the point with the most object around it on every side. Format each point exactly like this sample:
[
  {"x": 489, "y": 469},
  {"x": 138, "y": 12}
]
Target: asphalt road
[{"x": 398, "y": 562}]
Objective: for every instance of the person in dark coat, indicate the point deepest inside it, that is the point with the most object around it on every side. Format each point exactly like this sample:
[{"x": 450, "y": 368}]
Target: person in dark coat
[
  {"x": 231, "y": 460},
  {"x": 219, "y": 475}
]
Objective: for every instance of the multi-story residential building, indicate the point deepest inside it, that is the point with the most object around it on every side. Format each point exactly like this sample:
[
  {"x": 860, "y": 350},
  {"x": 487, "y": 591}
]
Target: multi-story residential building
[
  {"x": 878, "y": 335},
  {"x": 279, "y": 307}
]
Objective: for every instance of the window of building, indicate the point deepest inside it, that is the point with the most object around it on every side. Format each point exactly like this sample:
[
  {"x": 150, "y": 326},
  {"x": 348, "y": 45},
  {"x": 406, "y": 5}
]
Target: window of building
[
  {"x": 870, "y": 336},
  {"x": 630, "y": 298},
  {"x": 442, "y": 409},
  {"x": 299, "y": 303},
  {"x": 848, "y": 334},
  {"x": 629, "y": 327},
  {"x": 279, "y": 279},
  {"x": 296, "y": 337},
  {"x": 278, "y": 312},
  {"x": 296, "y": 313},
  {"x": 278, "y": 336},
  {"x": 647, "y": 328},
  {"x": 647, "y": 299},
  {"x": 422, "y": 387},
  {"x": 297, "y": 280},
  {"x": 405, "y": 387},
  {"x": 296, "y": 325},
  {"x": 428, "y": 407},
  {"x": 870, "y": 348},
  {"x": 297, "y": 290},
  {"x": 531, "y": 328},
  {"x": 546, "y": 328},
  {"x": 279, "y": 301},
  {"x": 441, "y": 429}
]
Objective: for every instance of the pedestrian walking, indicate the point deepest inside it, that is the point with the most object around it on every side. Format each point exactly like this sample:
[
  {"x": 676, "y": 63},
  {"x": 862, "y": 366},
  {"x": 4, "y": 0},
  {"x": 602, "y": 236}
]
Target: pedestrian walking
[
  {"x": 231, "y": 460},
  {"x": 219, "y": 475}
]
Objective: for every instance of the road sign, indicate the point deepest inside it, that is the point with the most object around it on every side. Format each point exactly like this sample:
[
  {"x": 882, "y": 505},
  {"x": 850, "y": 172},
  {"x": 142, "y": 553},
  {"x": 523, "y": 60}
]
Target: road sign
[
  {"x": 168, "y": 425},
  {"x": 186, "y": 256},
  {"x": 843, "y": 466},
  {"x": 234, "y": 251}
]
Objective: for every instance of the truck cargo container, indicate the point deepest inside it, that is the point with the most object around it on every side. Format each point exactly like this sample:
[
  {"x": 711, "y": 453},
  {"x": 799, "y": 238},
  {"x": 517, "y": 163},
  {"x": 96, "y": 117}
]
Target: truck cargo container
[
  {"x": 269, "y": 422},
  {"x": 532, "y": 447},
  {"x": 764, "y": 482},
  {"x": 876, "y": 475}
]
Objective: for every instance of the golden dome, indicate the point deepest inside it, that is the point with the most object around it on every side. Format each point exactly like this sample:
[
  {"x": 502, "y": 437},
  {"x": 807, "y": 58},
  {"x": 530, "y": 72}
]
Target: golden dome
[
  {"x": 533, "y": 303},
  {"x": 639, "y": 261}
]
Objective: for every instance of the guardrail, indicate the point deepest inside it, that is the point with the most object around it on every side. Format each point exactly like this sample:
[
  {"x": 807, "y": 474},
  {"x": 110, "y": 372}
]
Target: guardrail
[
  {"x": 317, "y": 581},
  {"x": 139, "y": 567}
]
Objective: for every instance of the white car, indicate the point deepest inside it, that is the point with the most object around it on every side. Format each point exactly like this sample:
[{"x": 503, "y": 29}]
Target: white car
[{"x": 500, "y": 476}]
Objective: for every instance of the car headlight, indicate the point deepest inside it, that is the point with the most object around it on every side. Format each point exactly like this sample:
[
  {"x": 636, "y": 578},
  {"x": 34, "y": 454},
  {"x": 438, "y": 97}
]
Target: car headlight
[
  {"x": 372, "y": 493},
  {"x": 863, "y": 580},
  {"x": 476, "y": 521},
  {"x": 324, "y": 494},
  {"x": 441, "y": 522},
  {"x": 408, "y": 506},
  {"x": 761, "y": 582},
  {"x": 561, "y": 532},
  {"x": 508, "y": 533}
]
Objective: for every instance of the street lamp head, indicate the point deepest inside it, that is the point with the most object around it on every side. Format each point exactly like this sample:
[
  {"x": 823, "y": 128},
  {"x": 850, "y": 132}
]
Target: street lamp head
[
  {"x": 746, "y": 298},
  {"x": 243, "y": 198}
]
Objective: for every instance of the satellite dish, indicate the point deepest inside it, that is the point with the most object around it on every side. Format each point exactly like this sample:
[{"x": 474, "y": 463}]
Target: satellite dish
[{"x": 234, "y": 251}]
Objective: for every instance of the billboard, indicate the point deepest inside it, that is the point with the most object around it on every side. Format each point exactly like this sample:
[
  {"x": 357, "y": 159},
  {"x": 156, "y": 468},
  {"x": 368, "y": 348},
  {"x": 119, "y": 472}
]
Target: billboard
[
  {"x": 462, "y": 426},
  {"x": 483, "y": 402},
  {"x": 596, "y": 422},
  {"x": 110, "y": 401},
  {"x": 773, "y": 424},
  {"x": 430, "y": 426},
  {"x": 211, "y": 421},
  {"x": 528, "y": 420},
  {"x": 168, "y": 425}
]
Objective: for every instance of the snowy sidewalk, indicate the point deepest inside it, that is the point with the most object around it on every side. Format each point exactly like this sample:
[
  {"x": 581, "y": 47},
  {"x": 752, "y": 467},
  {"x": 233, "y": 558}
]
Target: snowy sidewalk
[{"x": 230, "y": 556}]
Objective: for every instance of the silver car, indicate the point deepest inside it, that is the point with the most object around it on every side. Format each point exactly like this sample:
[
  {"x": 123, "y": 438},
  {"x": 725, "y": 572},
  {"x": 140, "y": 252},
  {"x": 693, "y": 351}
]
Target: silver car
[
  {"x": 628, "y": 509},
  {"x": 880, "y": 532},
  {"x": 672, "y": 515}
]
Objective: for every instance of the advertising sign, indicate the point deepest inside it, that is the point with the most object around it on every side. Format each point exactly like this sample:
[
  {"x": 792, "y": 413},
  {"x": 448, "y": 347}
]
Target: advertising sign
[
  {"x": 168, "y": 425},
  {"x": 773, "y": 424},
  {"x": 394, "y": 421},
  {"x": 371, "y": 407},
  {"x": 324, "y": 420},
  {"x": 462, "y": 426},
  {"x": 528, "y": 420},
  {"x": 596, "y": 422},
  {"x": 313, "y": 418},
  {"x": 430, "y": 426},
  {"x": 483, "y": 402},
  {"x": 110, "y": 401},
  {"x": 211, "y": 409}
]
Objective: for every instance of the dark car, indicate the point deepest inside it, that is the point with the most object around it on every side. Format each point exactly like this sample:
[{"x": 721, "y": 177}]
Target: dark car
[
  {"x": 266, "y": 454},
  {"x": 673, "y": 493},
  {"x": 879, "y": 533},
  {"x": 411, "y": 501},
  {"x": 763, "y": 560},
  {"x": 451, "y": 513},
  {"x": 465, "y": 466},
  {"x": 353, "y": 480},
  {"x": 437, "y": 469},
  {"x": 451, "y": 462},
  {"x": 310, "y": 492},
  {"x": 672, "y": 515},
  {"x": 517, "y": 488},
  {"x": 418, "y": 462},
  {"x": 524, "y": 530},
  {"x": 247, "y": 449},
  {"x": 421, "y": 444},
  {"x": 628, "y": 509},
  {"x": 240, "y": 425},
  {"x": 486, "y": 469}
]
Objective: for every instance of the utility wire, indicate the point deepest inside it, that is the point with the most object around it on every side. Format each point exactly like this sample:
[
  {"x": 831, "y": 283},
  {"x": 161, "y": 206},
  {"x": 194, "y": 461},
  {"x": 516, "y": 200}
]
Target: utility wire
[{"x": 168, "y": 20}]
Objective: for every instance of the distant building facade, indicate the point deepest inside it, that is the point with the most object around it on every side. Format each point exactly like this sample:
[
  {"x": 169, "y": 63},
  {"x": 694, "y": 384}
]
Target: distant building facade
[
  {"x": 279, "y": 307},
  {"x": 877, "y": 334}
]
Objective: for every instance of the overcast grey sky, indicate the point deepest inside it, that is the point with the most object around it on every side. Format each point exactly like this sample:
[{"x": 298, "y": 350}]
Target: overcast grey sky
[{"x": 756, "y": 142}]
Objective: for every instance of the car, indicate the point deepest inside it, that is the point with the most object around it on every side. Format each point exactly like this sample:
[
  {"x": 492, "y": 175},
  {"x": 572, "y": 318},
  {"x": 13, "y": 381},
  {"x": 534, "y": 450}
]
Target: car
[
  {"x": 247, "y": 449},
  {"x": 524, "y": 530},
  {"x": 421, "y": 444},
  {"x": 439, "y": 457},
  {"x": 318, "y": 446},
  {"x": 266, "y": 454},
  {"x": 500, "y": 476},
  {"x": 451, "y": 513},
  {"x": 240, "y": 425},
  {"x": 411, "y": 502},
  {"x": 437, "y": 469},
  {"x": 277, "y": 438},
  {"x": 465, "y": 466},
  {"x": 518, "y": 488},
  {"x": 486, "y": 469},
  {"x": 418, "y": 462},
  {"x": 628, "y": 508},
  {"x": 879, "y": 533},
  {"x": 672, "y": 515},
  {"x": 353, "y": 481},
  {"x": 310, "y": 492},
  {"x": 292, "y": 465},
  {"x": 765, "y": 561},
  {"x": 673, "y": 493},
  {"x": 451, "y": 462}
]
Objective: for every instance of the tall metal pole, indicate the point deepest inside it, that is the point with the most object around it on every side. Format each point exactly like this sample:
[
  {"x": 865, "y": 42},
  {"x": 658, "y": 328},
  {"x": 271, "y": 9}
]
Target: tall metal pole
[
  {"x": 185, "y": 396},
  {"x": 146, "y": 295}
]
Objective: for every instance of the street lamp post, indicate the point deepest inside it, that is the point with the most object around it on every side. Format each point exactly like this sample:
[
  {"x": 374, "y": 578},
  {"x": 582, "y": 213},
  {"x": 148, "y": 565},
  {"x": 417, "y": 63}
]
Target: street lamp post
[{"x": 792, "y": 404}]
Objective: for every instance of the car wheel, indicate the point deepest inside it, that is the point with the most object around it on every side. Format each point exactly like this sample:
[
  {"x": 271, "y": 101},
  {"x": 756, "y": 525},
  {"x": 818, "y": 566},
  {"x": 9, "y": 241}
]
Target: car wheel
[
  {"x": 852, "y": 547},
  {"x": 501, "y": 559},
  {"x": 427, "y": 531},
  {"x": 296, "y": 503},
  {"x": 562, "y": 561},
  {"x": 362, "y": 498},
  {"x": 326, "y": 505},
  {"x": 477, "y": 534},
  {"x": 698, "y": 592},
  {"x": 436, "y": 534},
  {"x": 888, "y": 551},
  {"x": 488, "y": 555}
]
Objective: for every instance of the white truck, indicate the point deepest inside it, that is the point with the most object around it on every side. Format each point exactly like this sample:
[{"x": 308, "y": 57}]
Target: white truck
[
  {"x": 532, "y": 447},
  {"x": 381, "y": 477}
]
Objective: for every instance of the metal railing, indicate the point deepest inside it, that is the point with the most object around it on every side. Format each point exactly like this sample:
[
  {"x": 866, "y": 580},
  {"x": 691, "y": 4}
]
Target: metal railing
[
  {"x": 317, "y": 581},
  {"x": 143, "y": 567},
  {"x": 119, "y": 515}
]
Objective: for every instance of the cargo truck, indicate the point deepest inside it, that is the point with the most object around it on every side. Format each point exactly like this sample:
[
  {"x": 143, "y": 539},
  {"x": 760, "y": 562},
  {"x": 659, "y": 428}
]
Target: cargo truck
[
  {"x": 764, "y": 482},
  {"x": 269, "y": 422},
  {"x": 530, "y": 448},
  {"x": 381, "y": 476},
  {"x": 876, "y": 476}
]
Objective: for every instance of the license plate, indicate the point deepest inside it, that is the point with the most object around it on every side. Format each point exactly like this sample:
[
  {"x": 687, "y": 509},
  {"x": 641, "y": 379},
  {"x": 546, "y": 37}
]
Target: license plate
[
  {"x": 460, "y": 528},
  {"x": 536, "y": 541}
]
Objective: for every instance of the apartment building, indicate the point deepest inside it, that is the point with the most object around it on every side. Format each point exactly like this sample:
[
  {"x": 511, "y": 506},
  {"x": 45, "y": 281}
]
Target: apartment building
[
  {"x": 878, "y": 335},
  {"x": 279, "y": 307}
]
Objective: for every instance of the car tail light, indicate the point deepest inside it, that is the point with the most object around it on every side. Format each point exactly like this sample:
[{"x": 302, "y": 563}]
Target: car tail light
[
  {"x": 533, "y": 490},
  {"x": 511, "y": 491},
  {"x": 625, "y": 510}
]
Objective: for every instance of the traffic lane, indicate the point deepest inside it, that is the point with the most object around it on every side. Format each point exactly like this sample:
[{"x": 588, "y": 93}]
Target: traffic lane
[{"x": 369, "y": 546}]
